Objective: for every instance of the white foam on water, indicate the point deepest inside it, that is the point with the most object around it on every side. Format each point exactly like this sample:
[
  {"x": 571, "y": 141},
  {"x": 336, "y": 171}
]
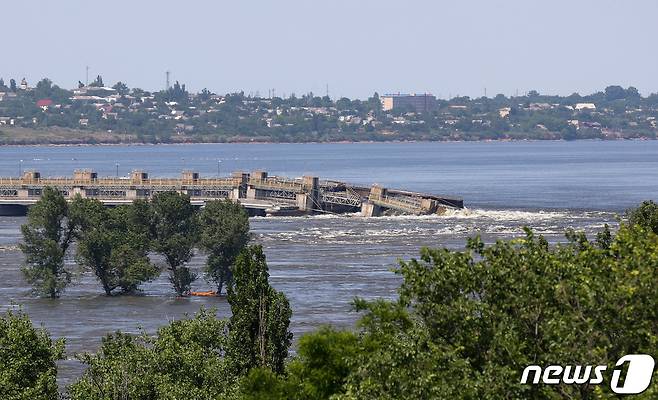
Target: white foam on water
[
  {"x": 468, "y": 214},
  {"x": 10, "y": 247}
]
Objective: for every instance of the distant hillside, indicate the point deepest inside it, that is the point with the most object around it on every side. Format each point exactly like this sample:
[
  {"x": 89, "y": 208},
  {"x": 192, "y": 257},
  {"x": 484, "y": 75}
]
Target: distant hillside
[{"x": 95, "y": 113}]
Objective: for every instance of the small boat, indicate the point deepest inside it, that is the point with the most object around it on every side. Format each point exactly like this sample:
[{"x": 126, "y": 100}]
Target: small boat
[{"x": 209, "y": 293}]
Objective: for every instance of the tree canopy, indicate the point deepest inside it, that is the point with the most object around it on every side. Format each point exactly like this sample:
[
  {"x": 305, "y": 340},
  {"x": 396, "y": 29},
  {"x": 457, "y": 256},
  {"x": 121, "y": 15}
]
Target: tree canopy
[
  {"x": 224, "y": 232},
  {"x": 114, "y": 243},
  {"x": 47, "y": 236},
  {"x": 467, "y": 323},
  {"x": 28, "y": 359},
  {"x": 174, "y": 232}
]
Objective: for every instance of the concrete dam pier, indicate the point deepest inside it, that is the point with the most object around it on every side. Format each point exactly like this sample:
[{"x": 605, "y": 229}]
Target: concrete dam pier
[{"x": 258, "y": 192}]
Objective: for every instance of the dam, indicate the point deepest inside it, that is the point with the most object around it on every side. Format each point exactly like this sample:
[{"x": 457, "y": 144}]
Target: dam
[{"x": 260, "y": 193}]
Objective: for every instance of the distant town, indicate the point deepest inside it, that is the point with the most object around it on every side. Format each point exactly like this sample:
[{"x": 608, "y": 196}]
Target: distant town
[{"x": 44, "y": 113}]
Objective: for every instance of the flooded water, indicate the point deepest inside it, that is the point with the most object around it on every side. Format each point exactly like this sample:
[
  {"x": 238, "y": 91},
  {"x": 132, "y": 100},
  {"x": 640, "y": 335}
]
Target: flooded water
[{"x": 322, "y": 262}]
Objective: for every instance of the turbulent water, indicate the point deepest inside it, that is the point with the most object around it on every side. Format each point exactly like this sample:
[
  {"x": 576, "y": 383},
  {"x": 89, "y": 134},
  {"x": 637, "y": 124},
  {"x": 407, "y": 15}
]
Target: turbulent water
[{"x": 323, "y": 262}]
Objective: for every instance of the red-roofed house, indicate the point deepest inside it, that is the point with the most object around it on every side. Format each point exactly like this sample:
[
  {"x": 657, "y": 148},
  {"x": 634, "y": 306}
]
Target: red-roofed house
[{"x": 44, "y": 103}]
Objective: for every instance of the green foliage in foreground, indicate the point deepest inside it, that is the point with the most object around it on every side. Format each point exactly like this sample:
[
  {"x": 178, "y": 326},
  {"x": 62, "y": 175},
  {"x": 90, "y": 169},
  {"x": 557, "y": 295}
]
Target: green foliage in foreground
[
  {"x": 468, "y": 322},
  {"x": 260, "y": 316},
  {"x": 645, "y": 215},
  {"x": 27, "y": 360},
  {"x": 182, "y": 362}
]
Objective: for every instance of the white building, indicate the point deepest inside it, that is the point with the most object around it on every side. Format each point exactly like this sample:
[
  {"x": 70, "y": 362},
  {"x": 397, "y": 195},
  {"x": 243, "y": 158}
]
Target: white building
[{"x": 585, "y": 106}]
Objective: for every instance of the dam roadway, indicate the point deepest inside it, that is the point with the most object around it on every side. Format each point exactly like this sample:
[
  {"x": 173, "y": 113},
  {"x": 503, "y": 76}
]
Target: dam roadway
[{"x": 258, "y": 192}]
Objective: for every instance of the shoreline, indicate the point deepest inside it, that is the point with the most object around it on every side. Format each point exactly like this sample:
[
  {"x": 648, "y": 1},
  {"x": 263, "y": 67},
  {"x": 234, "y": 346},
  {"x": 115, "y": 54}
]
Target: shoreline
[{"x": 110, "y": 143}]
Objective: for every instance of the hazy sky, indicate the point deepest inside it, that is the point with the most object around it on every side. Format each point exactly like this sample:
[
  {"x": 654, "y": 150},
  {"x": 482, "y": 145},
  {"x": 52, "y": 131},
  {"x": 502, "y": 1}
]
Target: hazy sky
[{"x": 357, "y": 47}]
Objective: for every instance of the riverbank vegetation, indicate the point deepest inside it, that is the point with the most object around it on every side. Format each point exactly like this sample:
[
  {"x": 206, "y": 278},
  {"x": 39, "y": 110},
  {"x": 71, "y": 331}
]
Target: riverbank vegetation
[
  {"x": 465, "y": 325},
  {"x": 114, "y": 243},
  {"x": 49, "y": 114}
]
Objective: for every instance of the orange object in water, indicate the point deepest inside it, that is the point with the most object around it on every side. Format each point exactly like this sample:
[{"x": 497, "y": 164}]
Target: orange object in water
[{"x": 204, "y": 294}]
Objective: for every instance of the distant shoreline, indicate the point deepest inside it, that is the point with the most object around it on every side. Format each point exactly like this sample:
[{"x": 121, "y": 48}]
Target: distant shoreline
[{"x": 95, "y": 143}]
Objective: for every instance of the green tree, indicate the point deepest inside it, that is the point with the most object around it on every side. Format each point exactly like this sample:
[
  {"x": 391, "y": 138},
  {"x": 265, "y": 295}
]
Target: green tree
[
  {"x": 224, "y": 232},
  {"x": 615, "y": 93},
  {"x": 468, "y": 322},
  {"x": 174, "y": 232},
  {"x": 646, "y": 216},
  {"x": 260, "y": 316},
  {"x": 183, "y": 361},
  {"x": 263, "y": 384},
  {"x": 28, "y": 359},
  {"x": 318, "y": 372},
  {"x": 114, "y": 242},
  {"x": 47, "y": 236},
  {"x": 205, "y": 94},
  {"x": 321, "y": 367},
  {"x": 98, "y": 82},
  {"x": 374, "y": 103},
  {"x": 121, "y": 88}
]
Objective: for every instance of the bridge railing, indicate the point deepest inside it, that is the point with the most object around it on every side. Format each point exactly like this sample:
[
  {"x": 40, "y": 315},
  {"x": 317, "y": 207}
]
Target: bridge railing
[
  {"x": 281, "y": 183},
  {"x": 11, "y": 181},
  {"x": 120, "y": 182}
]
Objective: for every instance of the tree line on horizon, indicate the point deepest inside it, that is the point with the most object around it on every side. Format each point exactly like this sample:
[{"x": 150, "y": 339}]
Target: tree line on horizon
[
  {"x": 115, "y": 243},
  {"x": 465, "y": 325}
]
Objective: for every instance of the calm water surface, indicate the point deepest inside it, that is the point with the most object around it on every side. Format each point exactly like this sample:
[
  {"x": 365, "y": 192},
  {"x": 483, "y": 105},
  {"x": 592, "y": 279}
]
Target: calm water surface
[{"x": 322, "y": 262}]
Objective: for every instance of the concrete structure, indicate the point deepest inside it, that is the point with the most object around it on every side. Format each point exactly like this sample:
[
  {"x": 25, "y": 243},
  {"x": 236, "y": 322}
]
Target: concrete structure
[
  {"x": 260, "y": 193},
  {"x": 416, "y": 102}
]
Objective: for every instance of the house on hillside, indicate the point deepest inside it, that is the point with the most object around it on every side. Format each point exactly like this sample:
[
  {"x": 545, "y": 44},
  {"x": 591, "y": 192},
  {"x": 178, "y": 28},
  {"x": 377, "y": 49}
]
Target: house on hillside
[
  {"x": 585, "y": 106},
  {"x": 44, "y": 104}
]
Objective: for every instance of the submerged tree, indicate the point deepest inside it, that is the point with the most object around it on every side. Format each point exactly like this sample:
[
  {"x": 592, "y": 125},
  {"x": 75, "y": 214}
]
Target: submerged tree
[
  {"x": 174, "y": 232},
  {"x": 224, "y": 233},
  {"x": 260, "y": 316},
  {"x": 202, "y": 357},
  {"x": 113, "y": 243},
  {"x": 28, "y": 359},
  {"x": 47, "y": 236}
]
